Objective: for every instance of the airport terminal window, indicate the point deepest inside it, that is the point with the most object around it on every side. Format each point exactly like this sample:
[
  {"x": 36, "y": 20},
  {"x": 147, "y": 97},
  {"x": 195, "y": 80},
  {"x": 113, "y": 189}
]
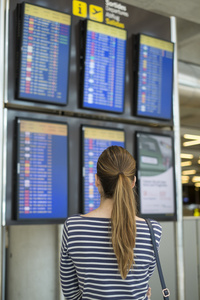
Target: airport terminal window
[{"x": 190, "y": 164}]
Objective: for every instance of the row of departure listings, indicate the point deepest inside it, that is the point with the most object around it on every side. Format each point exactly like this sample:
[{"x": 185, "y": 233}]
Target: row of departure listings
[
  {"x": 42, "y": 170},
  {"x": 43, "y": 44}
]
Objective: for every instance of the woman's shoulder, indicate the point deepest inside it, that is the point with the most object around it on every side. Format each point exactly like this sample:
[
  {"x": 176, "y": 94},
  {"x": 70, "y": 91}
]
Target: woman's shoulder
[
  {"x": 87, "y": 218},
  {"x": 155, "y": 224},
  {"x": 139, "y": 219},
  {"x": 72, "y": 219},
  {"x": 157, "y": 228}
]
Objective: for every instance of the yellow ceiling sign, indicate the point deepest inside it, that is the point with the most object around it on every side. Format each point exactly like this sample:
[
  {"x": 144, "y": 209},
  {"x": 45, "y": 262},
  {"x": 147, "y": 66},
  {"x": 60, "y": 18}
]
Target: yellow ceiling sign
[
  {"x": 96, "y": 13},
  {"x": 79, "y": 8}
]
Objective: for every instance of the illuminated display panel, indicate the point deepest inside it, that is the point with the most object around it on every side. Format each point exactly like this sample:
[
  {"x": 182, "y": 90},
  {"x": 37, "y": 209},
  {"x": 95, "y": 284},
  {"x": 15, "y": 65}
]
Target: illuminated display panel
[
  {"x": 155, "y": 176},
  {"x": 42, "y": 170},
  {"x": 95, "y": 140},
  {"x": 154, "y": 78},
  {"x": 104, "y": 67},
  {"x": 44, "y": 54}
]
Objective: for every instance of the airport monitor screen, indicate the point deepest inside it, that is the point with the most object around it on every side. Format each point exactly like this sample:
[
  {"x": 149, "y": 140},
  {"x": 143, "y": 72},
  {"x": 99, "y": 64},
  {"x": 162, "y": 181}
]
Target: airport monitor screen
[
  {"x": 94, "y": 141},
  {"x": 156, "y": 185},
  {"x": 44, "y": 47},
  {"x": 103, "y": 67},
  {"x": 42, "y": 170},
  {"x": 154, "y": 77}
]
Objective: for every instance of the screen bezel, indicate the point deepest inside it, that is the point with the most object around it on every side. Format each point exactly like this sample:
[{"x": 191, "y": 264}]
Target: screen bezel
[
  {"x": 21, "y": 9},
  {"x": 136, "y": 54},
  {"x": 160, "y": 216},
  {"x": 83, "y": 46},
  {"x": 83, "y": 154},
  {"x": 17, "y": 158}
]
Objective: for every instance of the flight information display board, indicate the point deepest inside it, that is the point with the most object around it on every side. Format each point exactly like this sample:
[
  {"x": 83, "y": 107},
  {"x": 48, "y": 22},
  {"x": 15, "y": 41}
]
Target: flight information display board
[
  {"x": 94, "y": 141},
  {"x": 154, "y": 77},
  {"x": 44, "y": 41},
  {"x": 42, "y": 170},
  {"x": 104, "y": 49},
  {"x": 155, "y": 175}
]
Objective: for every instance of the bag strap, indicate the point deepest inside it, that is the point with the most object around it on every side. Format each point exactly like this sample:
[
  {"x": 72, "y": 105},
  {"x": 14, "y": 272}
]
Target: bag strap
[{"x": 165, "y": 290}]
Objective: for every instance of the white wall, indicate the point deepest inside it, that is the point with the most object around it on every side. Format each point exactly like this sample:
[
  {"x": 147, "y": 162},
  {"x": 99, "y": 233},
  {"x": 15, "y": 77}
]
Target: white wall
[
  {"x": 32, "y": 263},
  {"x": 191, "y": 242}
]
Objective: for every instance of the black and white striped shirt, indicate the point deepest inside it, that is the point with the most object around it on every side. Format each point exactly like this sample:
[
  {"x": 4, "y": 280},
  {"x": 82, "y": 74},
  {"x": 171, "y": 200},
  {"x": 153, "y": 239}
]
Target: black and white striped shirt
[{"x": 88, "y": 265}]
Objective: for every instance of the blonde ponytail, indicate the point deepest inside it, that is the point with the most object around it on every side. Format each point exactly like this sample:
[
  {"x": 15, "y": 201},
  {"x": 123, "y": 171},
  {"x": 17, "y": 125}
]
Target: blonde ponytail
[
  {"x": 123, "y": 224},
  {"x": 116, "y": 171}
]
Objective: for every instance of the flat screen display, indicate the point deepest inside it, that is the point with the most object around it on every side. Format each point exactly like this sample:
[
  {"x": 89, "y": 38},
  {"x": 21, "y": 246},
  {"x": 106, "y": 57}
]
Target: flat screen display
[
  {"x": 44, "y": 54},
  {"x": 104, "y": 67},
  {"x": 42, "y": 170},
  {"x": 155, "y": 165},
  {"x": 94, "y": 141},
  {"x": 154, "y": 78}
]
